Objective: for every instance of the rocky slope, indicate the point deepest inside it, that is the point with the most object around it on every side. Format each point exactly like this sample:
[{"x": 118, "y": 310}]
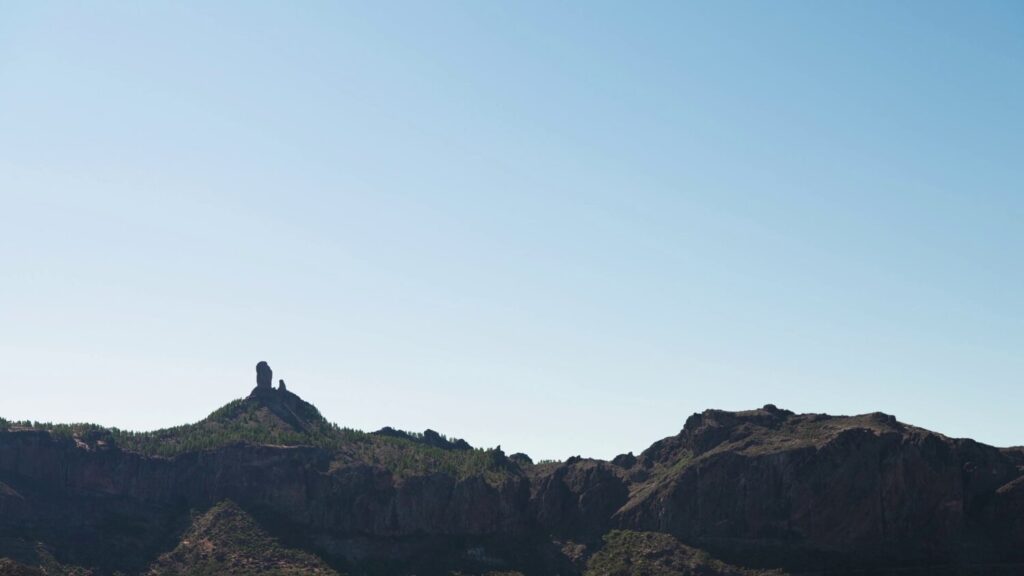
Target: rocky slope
[
  {"x": 225, "y": 540},
  {"x": 629, "y": 553},
  {"x": 763, "y": 489},
  {"x": 769, "y": 487}
]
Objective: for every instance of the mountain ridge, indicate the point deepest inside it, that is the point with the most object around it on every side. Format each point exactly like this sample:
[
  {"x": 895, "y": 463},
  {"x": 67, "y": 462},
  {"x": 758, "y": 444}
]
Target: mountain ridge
[{"x": 751, "y": 490}]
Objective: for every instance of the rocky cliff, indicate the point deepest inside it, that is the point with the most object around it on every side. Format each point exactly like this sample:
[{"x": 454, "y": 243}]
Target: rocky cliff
[{"x": 763, "y": 489}]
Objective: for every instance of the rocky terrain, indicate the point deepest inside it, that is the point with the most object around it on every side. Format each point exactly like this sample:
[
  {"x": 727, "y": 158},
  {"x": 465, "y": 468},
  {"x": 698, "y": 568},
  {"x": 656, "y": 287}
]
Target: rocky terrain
[
  {"x": 266, "y": 485},
  {"x": 226, "y": 540}
]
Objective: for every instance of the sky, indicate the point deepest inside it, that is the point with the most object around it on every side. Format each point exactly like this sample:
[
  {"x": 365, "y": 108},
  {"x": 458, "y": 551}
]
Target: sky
[{"x": 557, "y": 227}]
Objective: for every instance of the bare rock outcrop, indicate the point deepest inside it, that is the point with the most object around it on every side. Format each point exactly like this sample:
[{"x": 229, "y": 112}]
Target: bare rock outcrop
[{"x": 264, "y": 376}]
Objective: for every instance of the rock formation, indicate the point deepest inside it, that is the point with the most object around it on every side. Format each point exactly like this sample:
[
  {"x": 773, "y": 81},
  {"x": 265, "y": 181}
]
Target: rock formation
[
  {"x": 281, "y": 386},
  {"x": 811, "y": 493},
  {"x": 264, "y": 376},
  {"x": 627, "y": 460}
]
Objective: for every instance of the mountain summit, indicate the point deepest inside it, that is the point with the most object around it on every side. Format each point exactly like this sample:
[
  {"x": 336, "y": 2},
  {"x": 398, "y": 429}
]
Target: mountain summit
[
  {"x": 265, "y": 484},
  {"x": 275, "y": 409}
]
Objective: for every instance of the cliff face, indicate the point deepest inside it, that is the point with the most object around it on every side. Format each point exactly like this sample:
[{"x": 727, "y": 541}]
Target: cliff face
[
  {"x": 109, "y": 507},
  {"x": 577, "y": 500},
  {"x": 764, "y": 488},
  {"x": 773, "y": 488}
]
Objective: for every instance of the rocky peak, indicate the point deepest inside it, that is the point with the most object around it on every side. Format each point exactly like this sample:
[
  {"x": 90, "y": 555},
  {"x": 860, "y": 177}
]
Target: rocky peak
[
  {"x": 264, "y": 376},
  {"x": 627, "y": 460},
  {"x": 767, "y": 429},
  {"x": 708, "y": 429},
  {"x": 769, "y": 416}
]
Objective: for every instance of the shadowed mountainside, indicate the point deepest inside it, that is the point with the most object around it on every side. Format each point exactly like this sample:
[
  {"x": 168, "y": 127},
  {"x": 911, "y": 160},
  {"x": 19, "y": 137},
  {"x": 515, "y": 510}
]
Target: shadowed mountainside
[
  {"x": 226, "y": 540},
  {"x": 266, "y": 483}
]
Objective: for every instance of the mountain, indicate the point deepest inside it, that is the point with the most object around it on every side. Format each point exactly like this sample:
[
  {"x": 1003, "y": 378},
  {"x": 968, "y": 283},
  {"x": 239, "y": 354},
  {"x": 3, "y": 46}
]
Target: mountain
[
  {"x": 267, "y": 484},
  {"x": 226, "y": 541}
]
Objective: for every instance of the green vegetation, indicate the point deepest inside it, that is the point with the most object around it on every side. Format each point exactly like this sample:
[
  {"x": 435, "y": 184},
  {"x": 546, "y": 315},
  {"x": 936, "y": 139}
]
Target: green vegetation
[
  {"x": 289, "y": 421},
  {"x": 243, "y": 421},
  {"x": 629, "y": 553},
  {"x": 661, "y": 472},
  {"x": 227, "y": 541},
  {"x": 673, "y": 467},
  {"x": 407, "y": 458},
  {"x": 240, "y": 421}
]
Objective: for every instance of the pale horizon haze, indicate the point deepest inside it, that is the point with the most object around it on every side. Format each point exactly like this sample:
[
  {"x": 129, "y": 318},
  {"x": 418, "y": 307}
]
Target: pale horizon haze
[{"x": 557, "y": 227}]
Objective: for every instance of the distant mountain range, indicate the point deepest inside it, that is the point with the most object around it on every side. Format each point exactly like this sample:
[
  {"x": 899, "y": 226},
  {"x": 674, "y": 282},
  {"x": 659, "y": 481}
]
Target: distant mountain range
[{"x": 266, "y": 485}]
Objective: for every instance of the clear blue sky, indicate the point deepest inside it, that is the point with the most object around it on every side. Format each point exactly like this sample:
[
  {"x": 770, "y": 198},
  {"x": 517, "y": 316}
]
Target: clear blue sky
[{"x": 557, "y": 227}]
